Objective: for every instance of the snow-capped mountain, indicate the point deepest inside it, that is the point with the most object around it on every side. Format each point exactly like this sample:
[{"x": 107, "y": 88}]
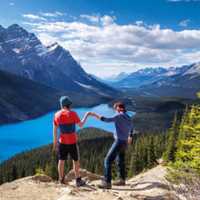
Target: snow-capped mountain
[
  {"x": 148, "y": 76},
  {"x": 111, "y": 79},
  {"x": 174, "y": 81},
  {"x": 117, "y": 77},
  {"x": 142, "y": 77},
  {"x": 193, "y": 70},
  {"x": 184, "y": 83},
  {"x": 22, "y": 53}
]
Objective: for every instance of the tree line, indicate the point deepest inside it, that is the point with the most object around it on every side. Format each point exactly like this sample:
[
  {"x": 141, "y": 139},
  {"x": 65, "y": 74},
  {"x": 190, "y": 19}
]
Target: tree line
[{"x": 93, "y": 144}]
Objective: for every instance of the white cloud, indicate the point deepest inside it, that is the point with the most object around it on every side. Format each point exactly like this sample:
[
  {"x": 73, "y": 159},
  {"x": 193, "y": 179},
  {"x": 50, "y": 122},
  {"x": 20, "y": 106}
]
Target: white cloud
[
  {"x": 33, "y": 17},
  {"x": 52, "y": 14},
  {"x": 107, "y": 20},
  {"x": 103, "y": 20},
  {"x": 91, "y": 18},
  {"x": 101, "y": 46},
  {"x": 139, "y": 23},
  {"x": 184, "y": 23}
]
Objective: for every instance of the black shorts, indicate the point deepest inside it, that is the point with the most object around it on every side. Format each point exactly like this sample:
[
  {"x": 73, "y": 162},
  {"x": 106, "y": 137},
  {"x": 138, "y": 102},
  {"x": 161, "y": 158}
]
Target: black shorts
[{"x": 68, "y": 149}]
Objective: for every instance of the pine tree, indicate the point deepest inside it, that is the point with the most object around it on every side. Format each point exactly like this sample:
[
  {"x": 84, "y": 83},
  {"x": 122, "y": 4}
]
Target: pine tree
[
  {"x": 171, "y": 148},
  {"x": 14, "y": 172},
  {"x": 188, "y": 148},
  {"x": 53, "y": 166},
  {"x": 133, "y": 165},
  {"x": 23, "y": 174},
  {"x": 151, "y": 153}
]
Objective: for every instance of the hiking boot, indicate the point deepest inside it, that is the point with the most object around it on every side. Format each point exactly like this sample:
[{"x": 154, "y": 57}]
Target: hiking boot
[
  {"x": 119, "y": 183},
  {"x": 105, "y": 185},
  {"x": 62, "y": 180},
  {"x": 80, "y": 182}
]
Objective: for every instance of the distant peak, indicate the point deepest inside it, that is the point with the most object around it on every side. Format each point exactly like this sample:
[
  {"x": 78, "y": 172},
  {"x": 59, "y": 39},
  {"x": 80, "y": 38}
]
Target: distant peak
[
  {"x": 1, "y": 27},
  {"x": 16, "y": 30},
  {"x": 153, "y": 69},
  {"x": 15, "y": 26},
  {"x": 193, "y": 69}
]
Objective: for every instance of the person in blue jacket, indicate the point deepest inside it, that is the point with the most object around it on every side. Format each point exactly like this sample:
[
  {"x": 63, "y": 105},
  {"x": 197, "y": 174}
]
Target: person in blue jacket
[{"x": 123, "y": 137}]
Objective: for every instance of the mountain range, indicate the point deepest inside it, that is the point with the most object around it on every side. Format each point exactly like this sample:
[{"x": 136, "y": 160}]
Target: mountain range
[
  {"x": 174, "y": 81},
  {"x": 142, "y": 77},
  {"x": 184, "y": 83},
  {"x": 23, "y": 54}
]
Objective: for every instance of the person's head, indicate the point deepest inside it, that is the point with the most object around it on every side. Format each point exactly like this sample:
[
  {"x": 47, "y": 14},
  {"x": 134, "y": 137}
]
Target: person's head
[
  {"x": 119, "y": 107},
  {"x": 65, "y": 102}
]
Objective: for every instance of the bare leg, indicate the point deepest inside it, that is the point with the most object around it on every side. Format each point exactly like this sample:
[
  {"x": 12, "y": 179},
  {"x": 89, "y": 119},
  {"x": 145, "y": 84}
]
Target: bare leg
[
  {"x": 76, "y": 167},
  {"x": 79, "y": 181},
  {"x": 61, "y": 164}
]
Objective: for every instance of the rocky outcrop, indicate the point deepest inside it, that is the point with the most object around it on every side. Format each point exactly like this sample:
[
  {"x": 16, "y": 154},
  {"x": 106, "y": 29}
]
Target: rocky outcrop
[
  {"x": 84, "y": 174},
  {"x": 150, "y": 185}
]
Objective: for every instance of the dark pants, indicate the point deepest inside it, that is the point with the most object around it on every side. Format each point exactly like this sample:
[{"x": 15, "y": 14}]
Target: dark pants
[
  {"x": 117, "y": 151},
  {"x": 65, "y": 149}
]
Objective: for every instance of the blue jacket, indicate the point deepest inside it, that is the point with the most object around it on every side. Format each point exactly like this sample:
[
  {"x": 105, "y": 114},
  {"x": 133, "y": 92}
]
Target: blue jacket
[{"x": 123, "y": 125}]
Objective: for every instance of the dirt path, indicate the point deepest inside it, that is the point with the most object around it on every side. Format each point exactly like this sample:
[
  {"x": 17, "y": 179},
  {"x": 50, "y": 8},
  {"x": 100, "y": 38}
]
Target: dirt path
[{"x": 150, "y": 185}]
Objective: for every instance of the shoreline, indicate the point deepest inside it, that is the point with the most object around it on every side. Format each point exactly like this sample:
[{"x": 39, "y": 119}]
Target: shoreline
[
  {"x": 29, "y": 134},
  {"x": 35, "y": 116},
  {"x": 47, "y": 145}
]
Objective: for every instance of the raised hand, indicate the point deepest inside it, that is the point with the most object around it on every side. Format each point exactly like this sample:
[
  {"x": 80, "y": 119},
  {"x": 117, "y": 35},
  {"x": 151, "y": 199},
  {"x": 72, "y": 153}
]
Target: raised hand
[
  {"x": 88, "y": 113},
  {"x": 95, "y": 115}
]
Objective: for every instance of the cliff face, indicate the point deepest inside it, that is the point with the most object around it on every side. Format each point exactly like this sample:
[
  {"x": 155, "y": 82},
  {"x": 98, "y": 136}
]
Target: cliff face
[
  {"x": 150, "y": 185},
  {"x": 23, "y": 54}
]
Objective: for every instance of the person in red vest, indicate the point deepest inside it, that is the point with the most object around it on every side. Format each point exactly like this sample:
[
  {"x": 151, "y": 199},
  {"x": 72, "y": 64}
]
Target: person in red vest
[{"x": 66, "y": 143}]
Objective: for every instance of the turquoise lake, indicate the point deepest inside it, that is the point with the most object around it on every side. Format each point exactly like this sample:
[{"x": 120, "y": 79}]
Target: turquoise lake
[{"x": 23, "y": 136}]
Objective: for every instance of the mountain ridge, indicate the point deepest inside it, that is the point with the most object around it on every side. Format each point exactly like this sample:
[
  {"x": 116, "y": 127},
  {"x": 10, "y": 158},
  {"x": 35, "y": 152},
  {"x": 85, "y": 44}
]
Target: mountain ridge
[
  {"x": 185, "y": 83},
  {"x": 22, "y": 53},
  {"x": 21, "y": 99},
  {"x": 143, "y": 77},
  {"x": 175, "y": 81}
]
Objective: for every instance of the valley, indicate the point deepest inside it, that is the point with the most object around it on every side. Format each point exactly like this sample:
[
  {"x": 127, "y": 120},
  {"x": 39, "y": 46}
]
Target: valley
[{"x": 100, "y": 100}]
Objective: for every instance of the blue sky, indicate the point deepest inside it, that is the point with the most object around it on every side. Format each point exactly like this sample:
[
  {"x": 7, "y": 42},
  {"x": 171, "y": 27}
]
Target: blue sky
[{"x": 111, "y": 36}]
